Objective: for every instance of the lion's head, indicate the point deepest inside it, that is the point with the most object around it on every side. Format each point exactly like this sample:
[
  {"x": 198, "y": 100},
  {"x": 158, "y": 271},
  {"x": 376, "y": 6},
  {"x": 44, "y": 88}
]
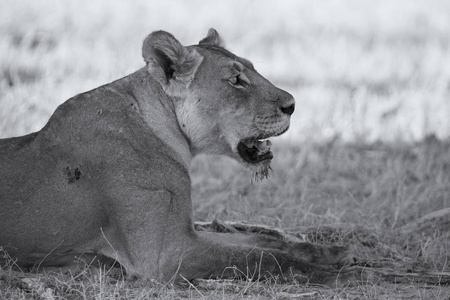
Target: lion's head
[{"x": 223, "y": 105}]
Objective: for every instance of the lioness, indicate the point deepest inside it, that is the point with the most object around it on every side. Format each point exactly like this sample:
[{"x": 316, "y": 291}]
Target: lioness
[{"x": 107, "y": 177}]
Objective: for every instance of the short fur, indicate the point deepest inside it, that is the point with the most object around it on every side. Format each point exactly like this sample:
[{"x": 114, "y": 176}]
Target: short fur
[{"x": 108, "y": 177}]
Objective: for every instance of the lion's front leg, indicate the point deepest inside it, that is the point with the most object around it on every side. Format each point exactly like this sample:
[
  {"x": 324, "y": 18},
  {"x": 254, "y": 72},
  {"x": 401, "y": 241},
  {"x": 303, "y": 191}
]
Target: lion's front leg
[
  {"x": 247, "y": 256},
  {"x": 272, "y": 238}
]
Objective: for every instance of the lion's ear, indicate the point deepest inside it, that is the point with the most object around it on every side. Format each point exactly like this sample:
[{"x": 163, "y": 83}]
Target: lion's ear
[
  {"x": 213, "y": 39},
  {"x": 170, "y": 63}
]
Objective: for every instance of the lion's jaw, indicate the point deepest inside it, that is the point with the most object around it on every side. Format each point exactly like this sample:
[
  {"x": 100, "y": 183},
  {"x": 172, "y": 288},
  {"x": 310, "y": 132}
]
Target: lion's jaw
[{"x": 255, "y": 149}]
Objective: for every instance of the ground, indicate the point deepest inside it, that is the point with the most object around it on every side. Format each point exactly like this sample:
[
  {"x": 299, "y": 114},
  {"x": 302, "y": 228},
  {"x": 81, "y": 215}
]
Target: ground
[{"x": 369, "y": 143}]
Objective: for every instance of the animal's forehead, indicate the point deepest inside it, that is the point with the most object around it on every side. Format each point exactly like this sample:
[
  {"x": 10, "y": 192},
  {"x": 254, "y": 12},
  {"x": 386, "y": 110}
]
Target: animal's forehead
[{"x": 223, "y": 52}]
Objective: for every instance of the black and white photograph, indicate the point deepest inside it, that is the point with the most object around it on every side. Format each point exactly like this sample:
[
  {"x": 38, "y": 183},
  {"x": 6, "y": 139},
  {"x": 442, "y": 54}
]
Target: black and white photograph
[{"x": 252, "y": 149}]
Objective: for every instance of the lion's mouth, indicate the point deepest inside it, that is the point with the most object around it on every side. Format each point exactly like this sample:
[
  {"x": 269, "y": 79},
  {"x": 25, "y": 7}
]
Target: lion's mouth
[{"x": 253, "y": 150}]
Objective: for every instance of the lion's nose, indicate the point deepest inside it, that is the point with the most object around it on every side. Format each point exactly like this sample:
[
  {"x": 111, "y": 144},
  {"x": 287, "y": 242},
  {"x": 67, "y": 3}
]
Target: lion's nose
[
  {"x": 286, "y": 103},
  {"x": 288, "y": 110}
]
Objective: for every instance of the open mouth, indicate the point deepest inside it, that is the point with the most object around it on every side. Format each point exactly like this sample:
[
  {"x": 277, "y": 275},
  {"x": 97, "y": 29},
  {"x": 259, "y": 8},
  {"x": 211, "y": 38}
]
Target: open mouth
[{"x": 254, "y": 151}]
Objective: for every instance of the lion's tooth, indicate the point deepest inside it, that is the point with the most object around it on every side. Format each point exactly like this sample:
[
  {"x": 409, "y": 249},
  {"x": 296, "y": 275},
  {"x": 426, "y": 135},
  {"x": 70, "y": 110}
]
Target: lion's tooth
[{"x": 263, "y": 146}]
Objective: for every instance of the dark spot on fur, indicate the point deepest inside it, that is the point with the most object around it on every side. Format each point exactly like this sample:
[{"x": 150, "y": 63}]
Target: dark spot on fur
[{"x": 73, "y": 175}]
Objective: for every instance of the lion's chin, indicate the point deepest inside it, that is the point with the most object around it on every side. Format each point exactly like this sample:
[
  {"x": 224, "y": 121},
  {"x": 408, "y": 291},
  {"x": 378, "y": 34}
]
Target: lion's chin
[
  {"x": 262, "y": 173},
  {"x": 259, "y": 171}
]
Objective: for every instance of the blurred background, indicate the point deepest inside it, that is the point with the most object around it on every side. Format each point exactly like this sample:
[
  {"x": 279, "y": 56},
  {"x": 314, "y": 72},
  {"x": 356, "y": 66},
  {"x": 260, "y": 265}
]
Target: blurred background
[{"x": 361, "y": 70}]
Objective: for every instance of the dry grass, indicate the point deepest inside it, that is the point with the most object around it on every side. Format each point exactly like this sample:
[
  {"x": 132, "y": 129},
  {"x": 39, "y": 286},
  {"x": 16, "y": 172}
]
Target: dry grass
[{"x": 361, "y": 71}]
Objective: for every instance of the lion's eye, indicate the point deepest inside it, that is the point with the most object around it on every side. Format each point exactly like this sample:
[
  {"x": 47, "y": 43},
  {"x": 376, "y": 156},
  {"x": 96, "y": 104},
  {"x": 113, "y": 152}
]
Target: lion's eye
[
  {"x": 239, "y": 81},
  {"x": 234, "y": 80}
]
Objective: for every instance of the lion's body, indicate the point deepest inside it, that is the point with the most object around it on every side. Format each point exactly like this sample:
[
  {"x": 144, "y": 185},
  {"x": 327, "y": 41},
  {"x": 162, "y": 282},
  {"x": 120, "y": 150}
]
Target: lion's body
[
  {"x": 82, "y": 159},
  {"x": 108, "y": 175}
]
